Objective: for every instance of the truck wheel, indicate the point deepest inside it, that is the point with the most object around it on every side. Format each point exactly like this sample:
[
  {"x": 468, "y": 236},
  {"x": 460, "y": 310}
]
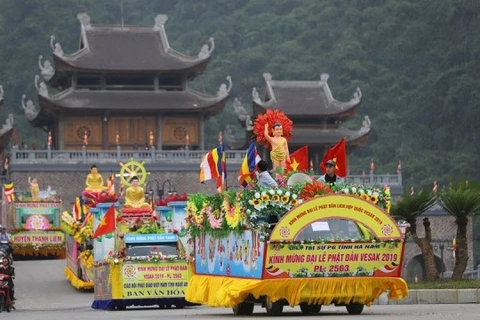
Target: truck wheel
[
  {"x": 273, "y": 308},
  {"x": 310, "y": 309},
  {"x": 244, "y": 308},
  {"x": 355, "y": 308}
]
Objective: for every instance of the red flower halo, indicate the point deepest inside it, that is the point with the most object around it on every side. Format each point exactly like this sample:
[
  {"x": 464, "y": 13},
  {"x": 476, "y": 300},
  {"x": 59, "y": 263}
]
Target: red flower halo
[{"x": 271, "y": 117}]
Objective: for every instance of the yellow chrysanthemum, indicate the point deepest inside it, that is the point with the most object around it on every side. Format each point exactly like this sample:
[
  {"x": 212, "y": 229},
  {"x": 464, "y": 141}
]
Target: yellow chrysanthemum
[
  {"x": 387, "y": 191},
  {"x": 199, "y": 218},
  {"x": 226, "y": 205},
  {"x": 235, "y": 216}
]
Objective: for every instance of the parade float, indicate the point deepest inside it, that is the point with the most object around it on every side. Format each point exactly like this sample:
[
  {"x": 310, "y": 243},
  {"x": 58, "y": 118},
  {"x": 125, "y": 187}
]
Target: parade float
[
  {"x": 78, "y": 228},
  {"x": 140, "y": 256},
  {"x": 36, "y": 220},
  {"x": 341, "y": 248},
  {"x": 303, "y": 243}
]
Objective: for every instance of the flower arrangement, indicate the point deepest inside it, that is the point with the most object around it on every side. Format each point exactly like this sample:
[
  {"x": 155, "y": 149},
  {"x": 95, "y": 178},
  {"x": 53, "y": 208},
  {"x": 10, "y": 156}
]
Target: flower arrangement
[
  {"x": 68, "y": 224},
  {"x": 86, "y": 258},
  {"x": 251, "y": 208},
  {"x": 81, "y": 232},
  {"x": 170, "y": 198},
  {"x": 261, "y": 202},
  {"x": 315, "y": 189},
  {"x": 153, "y": 258},
  {"x": 221, "y": 214},
  {"x": 380, "y": 196},
  {"x": 218, "y": 214},
  {"x": 84, "y": 234}
]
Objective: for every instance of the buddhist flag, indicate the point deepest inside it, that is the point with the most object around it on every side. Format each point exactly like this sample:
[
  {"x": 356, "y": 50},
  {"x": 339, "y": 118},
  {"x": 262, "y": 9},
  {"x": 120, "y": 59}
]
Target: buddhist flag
[
  {"x": 246, "y": 174},
  {"x": 337, "y": 153},
  {"x": 107, "y": 225},
  {"x": 77, "y": 209},
  {"x": 8, "y": 192},
  {"x": 211, "y": 165},
  {"x": 298, "y": 160}
]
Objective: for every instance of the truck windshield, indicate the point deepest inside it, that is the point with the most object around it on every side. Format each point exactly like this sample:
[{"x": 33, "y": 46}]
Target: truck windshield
[
  {"x": 142, "y": 250},
  {"x": 331, "y": 229}
]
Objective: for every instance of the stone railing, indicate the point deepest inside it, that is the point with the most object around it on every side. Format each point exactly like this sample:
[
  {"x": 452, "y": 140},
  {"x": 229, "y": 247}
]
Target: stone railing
[
  {"x": 184, "y": 157},
  {"x": 85, "y": 156},
  {"x": 377, "y": 179},
  {"x": 468, "y": 274}
]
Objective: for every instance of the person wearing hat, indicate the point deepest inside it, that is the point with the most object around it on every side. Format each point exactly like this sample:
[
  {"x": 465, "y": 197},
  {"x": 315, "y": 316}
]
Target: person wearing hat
[{"x": 330, "y": 177}]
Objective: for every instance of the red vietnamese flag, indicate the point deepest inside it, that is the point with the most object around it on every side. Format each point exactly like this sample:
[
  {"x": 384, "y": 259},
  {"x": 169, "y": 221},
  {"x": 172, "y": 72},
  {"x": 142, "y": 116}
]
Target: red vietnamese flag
[
  {"x": 107, "y": 224},
  {"x": 337, "y": 153},
  {"x": 298, "y": 160}
]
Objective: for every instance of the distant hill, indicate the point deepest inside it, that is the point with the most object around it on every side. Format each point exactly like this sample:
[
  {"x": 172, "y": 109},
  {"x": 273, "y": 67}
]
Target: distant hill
[{"x": 417, "y": 63}]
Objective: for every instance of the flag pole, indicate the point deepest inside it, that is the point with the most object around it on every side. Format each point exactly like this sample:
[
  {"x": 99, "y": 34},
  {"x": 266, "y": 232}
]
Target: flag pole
[
  {"x": 115, "y": 235},
  {"x": 224, "y": 169}
]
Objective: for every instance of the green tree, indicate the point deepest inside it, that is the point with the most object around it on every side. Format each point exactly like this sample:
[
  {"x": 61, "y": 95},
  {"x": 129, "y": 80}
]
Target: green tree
[
  {"x": 461, "y": 200},
  {"x": 409, "y": 208}
]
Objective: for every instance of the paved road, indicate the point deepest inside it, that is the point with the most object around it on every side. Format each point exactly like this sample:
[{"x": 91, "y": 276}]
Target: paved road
[{"x": 43, "y": 293}]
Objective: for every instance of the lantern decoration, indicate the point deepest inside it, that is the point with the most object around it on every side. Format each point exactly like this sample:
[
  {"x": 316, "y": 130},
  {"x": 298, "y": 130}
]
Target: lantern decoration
[
  {"x": 220, "y": 138},
  {"x": 49, "y": 140},
  {"x": 117, "y": 138},
  {"x": 151, "y": 139},
  {"x": 85, "y": 138},
  {"x": 187, "y": 140}
]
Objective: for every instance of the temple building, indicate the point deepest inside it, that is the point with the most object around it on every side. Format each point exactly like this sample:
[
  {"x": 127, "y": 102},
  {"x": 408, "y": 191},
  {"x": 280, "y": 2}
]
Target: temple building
[
  {"x": 7, "y": 128},
  {"x": 317, "y": 117},
  {"x": 125, "y": 86}
]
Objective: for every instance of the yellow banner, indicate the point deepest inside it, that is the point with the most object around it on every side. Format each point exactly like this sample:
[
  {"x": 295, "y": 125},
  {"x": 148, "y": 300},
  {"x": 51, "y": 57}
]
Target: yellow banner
[
  {"x": 154, "y": 280},
  {"x": 336, "y": 207},
  {"x": 333, "y": 260},
  {"x": 37, "y": 236}
]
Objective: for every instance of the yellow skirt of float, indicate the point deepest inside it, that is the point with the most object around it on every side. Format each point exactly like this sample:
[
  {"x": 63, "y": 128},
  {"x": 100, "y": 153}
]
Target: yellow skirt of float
[
  {"x": 218, "y": 291},
  {"x": 77, "y": 282}
]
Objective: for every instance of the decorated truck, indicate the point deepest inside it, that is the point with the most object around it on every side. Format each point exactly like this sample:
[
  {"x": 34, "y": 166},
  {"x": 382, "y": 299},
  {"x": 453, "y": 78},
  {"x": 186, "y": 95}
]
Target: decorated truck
[
  {"x": 36, "y": 220},
  {"x": 143, "y": 262},
  {"x": 131, "y": 251},
  {"x": 304, "y": 244}
]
